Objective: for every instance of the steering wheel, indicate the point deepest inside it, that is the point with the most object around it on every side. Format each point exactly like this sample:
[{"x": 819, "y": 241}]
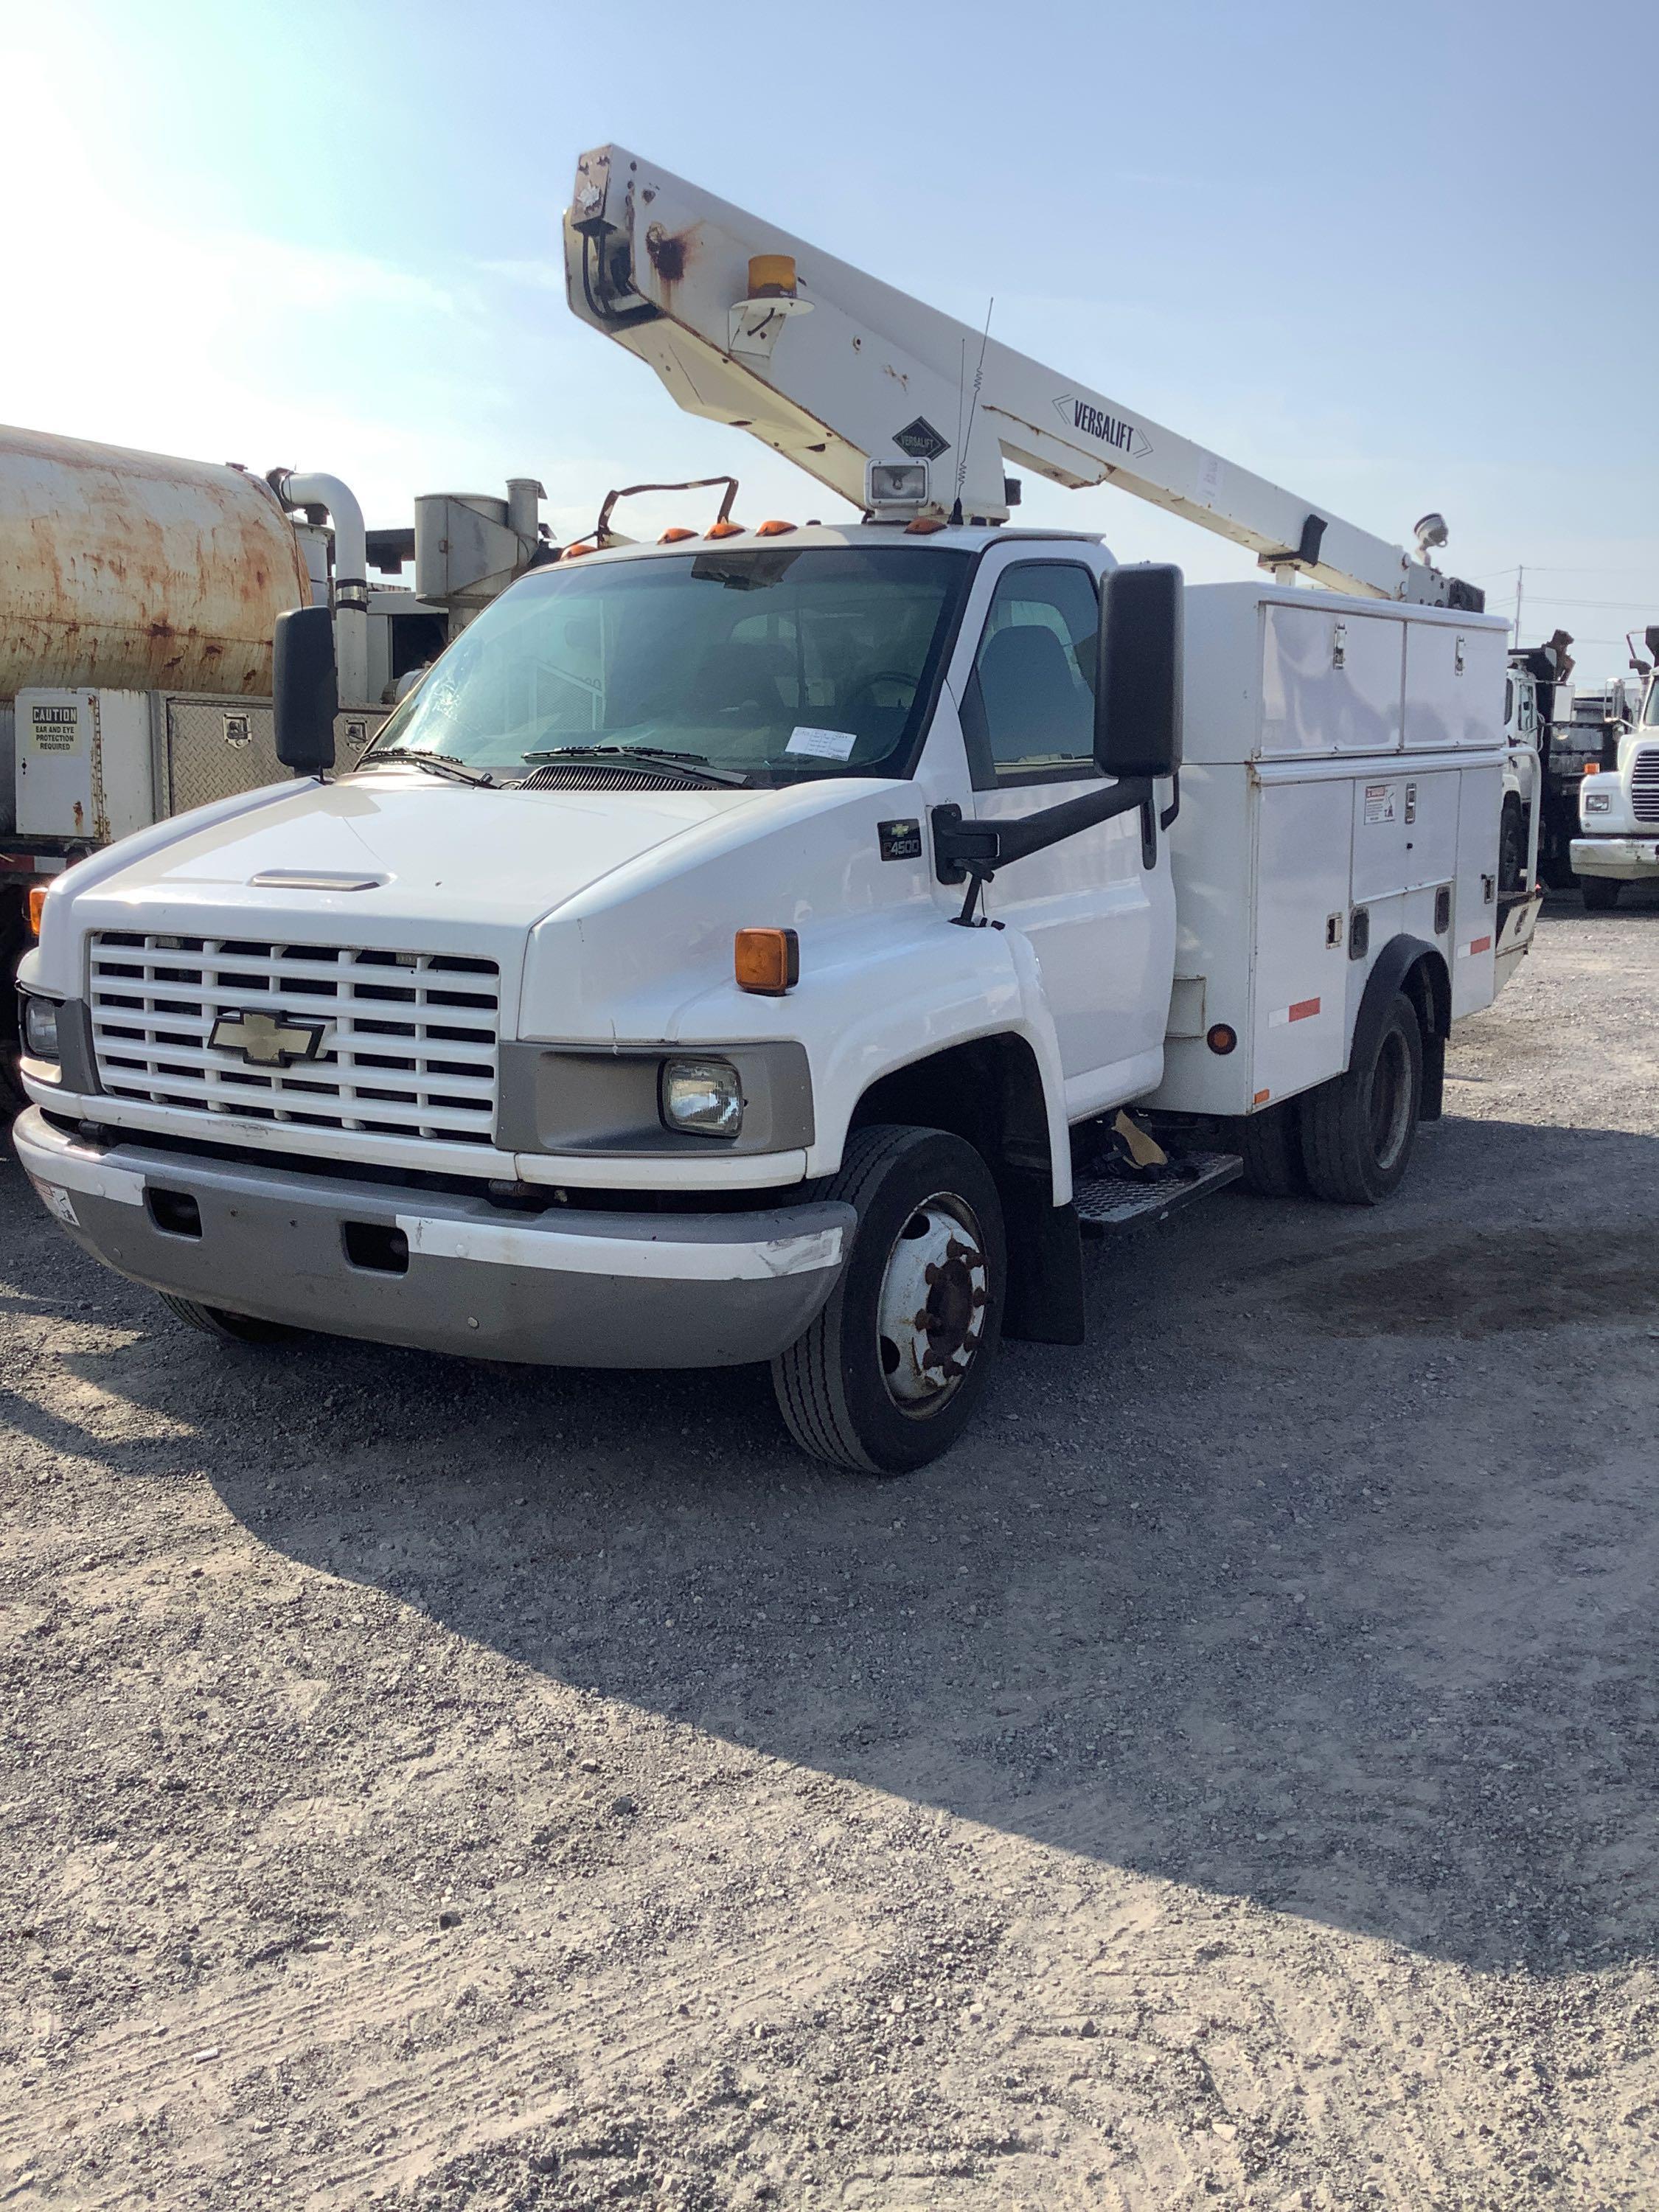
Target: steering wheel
[{"x": 882, "y": 675}]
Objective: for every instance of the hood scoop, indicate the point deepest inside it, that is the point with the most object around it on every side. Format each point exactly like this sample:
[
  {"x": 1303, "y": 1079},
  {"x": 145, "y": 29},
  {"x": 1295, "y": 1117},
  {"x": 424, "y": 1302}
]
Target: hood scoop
[{"x": 316, "y": 879}]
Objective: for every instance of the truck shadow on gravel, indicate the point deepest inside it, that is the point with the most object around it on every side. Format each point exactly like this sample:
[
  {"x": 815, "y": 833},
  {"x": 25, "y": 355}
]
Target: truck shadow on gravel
[{"x": 1323, "y": 1579}]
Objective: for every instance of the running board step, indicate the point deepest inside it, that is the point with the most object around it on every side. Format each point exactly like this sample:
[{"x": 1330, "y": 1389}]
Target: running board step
[{"x": 1111, "y": 1198}]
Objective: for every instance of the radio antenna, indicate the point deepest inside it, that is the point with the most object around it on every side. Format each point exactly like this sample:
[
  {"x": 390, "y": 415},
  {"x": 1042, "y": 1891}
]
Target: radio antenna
[{"x": 965, "y": 428}]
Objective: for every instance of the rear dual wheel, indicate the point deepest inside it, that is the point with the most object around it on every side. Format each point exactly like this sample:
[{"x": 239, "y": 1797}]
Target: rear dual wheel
[
  {"x": 888, "y": 1376},
  {"x": 1358, "y": 1130}
]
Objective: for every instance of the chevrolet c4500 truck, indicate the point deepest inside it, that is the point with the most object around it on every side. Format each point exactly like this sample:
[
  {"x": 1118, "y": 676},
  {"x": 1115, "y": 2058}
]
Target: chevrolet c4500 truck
[{"x": 744, "y": 947}]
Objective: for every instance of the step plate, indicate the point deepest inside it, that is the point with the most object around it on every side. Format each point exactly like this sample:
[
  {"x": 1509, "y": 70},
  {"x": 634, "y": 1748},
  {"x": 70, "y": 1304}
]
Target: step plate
[{"x": 1108, "y": 1202}]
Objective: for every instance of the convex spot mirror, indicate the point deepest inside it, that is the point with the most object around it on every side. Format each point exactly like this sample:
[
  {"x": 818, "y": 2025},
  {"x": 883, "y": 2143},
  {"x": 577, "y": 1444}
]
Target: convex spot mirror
[
  {"x": 1138, "y": 687},
  {"x": 306, "y": 696}
]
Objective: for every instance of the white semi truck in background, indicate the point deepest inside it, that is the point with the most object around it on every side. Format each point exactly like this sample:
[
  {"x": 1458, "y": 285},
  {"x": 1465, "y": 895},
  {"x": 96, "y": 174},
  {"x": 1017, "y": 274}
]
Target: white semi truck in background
[
  {"x": 1618, "y": 840},
  {"x": 138, "y": 597},
  {"x": 748, "y": 946}
]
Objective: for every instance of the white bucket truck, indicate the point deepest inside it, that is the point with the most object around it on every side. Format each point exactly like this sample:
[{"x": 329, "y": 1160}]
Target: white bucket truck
[
  {"x": 743, "y": 947},
  {"x": 1618, "y": 840}
]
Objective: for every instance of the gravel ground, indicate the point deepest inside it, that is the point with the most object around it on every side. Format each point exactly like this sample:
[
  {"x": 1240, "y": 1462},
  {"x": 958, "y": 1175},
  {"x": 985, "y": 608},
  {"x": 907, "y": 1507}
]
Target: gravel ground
[{"x": 1229, "y": 1778}]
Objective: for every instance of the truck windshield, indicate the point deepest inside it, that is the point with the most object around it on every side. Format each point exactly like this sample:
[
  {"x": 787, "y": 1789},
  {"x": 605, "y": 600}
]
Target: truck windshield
[
  {"x": 774, "y": 664},
  {"x": 1650, "y": 707}
]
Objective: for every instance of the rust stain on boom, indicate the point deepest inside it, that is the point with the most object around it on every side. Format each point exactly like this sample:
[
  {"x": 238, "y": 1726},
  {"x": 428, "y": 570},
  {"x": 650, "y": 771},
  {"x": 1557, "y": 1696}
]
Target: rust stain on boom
[{"x": 138, "y": 571}]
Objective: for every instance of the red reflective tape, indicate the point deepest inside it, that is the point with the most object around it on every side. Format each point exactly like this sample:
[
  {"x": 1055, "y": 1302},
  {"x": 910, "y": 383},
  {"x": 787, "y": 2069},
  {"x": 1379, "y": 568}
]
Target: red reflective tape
[
  {"x": 1302, "y": 1008},
  {"x": 1481, "y": 945},
  {"x": 1261, "y": 1098}
]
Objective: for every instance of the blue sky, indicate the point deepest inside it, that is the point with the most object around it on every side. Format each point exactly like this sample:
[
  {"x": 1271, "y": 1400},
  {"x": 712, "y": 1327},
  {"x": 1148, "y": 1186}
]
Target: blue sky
[{"x": 1394, "y": 258}]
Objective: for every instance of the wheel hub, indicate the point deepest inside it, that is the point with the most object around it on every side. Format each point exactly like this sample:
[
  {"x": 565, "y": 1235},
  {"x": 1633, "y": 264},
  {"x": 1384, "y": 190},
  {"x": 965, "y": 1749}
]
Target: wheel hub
[{"x": 931, "y": 1314}]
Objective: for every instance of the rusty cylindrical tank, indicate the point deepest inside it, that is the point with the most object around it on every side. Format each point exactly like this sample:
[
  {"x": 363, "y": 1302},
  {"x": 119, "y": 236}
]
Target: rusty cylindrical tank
[{"x": 138, "y": 571}]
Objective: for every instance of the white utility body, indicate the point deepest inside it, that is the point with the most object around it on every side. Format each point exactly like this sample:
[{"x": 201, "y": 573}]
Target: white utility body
[{"x": 745, "y": 946}]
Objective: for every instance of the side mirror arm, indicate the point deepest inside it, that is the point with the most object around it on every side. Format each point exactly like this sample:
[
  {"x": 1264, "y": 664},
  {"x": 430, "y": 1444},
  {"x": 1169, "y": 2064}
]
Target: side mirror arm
[{"x": 972, "y": 852}]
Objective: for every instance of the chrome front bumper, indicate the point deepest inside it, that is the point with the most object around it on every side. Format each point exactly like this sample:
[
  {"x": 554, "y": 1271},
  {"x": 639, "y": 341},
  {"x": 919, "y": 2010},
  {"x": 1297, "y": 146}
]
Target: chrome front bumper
[{"x": 565, "y": 1288}]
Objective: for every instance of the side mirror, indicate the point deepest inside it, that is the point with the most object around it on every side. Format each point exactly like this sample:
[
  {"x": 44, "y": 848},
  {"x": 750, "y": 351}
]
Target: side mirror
[
  {"x": 1139, "y": 675},
  {"x": 307, "y": 696}
]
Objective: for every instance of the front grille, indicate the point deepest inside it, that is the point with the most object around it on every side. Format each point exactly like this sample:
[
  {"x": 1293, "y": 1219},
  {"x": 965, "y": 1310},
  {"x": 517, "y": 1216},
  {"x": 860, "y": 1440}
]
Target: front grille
[
  {"x": 1644, "y": 785},
  {"x": 408, "y": 1048}
]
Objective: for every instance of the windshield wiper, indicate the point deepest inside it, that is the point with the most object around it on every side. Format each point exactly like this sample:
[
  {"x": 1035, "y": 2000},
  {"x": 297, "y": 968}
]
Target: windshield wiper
[
  {"x": 445, "y": 764},
  {"x": 698, "y": 763}
]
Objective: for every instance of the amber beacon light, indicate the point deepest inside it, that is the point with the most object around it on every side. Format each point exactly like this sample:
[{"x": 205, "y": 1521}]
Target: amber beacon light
[{"x": 767, "y": 961}]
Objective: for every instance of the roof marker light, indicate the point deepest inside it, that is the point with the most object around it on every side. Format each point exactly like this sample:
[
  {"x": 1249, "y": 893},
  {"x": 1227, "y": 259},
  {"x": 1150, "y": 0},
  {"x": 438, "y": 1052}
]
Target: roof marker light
[
  {"x": 724, "y": 530},
  {"x": 673, "y": 537},
  {"x": 775, "y": 529}
]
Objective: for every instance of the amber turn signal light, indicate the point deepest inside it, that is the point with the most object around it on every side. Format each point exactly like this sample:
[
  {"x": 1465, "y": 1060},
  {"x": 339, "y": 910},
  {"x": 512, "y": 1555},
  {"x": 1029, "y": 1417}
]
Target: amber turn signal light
[
  {"x": 767, "y": 961},
  {"x": 37, "y": 900},
  {"x": 1221, "y": 1037}
]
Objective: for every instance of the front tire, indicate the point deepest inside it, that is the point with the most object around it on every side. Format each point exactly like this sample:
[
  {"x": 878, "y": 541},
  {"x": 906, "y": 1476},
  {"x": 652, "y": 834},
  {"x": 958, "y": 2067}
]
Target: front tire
[
  {"x": 1512, "y": 849},
  {"x": 888, "y": 1376},
  {"x": 1358, "y": 1130},
  {"x": 1600, "y": 893},
  {"x": 228, "y": 1328}
]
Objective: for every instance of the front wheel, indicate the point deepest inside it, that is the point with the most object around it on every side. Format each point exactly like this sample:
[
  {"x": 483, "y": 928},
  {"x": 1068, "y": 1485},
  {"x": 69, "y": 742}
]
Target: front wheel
[
  {"x": 1357, "y": 1131},
  {"x": 228, "y": 1327},
  {"x": 1600, "y": 893},
  {"x": 887, "y": 1377},
  {"x": 1512, "y": 849}
]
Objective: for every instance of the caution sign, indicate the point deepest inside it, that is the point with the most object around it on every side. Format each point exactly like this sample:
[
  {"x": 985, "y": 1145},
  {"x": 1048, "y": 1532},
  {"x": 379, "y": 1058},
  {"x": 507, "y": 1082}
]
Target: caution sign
[{"x": 55, "y": 729}]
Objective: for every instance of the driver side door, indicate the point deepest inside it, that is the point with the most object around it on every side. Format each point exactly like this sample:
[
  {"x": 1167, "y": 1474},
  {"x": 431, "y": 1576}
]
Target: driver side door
[{"x": 1101, "y": 923}]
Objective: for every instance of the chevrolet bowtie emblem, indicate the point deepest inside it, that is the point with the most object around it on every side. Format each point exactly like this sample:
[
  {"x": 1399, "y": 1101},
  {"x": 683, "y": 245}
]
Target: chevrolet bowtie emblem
[{"x": 268, "y": 1040}]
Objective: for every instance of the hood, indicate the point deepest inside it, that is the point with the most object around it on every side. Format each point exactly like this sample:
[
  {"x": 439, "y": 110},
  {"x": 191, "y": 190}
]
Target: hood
[{"x": 425, "y": 850}]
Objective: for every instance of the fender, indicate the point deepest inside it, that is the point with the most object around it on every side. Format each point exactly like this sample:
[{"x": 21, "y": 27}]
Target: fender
[{"x": 1398, "y": 960}]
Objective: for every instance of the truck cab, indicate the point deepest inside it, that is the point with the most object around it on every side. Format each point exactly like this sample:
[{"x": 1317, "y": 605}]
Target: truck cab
[
  {"x": 1618, "y": 840},
  {"x": 746, "y": 947}
]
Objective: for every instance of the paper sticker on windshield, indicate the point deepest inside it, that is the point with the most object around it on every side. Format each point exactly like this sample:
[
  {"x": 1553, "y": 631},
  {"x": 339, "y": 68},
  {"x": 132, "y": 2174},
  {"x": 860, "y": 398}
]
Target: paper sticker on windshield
[{"x": 823, "y": 744}]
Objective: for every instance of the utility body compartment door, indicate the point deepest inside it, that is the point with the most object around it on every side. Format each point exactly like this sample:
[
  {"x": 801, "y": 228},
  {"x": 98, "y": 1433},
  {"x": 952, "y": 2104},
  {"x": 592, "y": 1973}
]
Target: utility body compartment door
[
  {"x": 1474, "y": 897},
  {"x": 83, "y": 764},
  {"x": 1298, "y": 1030},
  {"x": 1330, "y": 681}
]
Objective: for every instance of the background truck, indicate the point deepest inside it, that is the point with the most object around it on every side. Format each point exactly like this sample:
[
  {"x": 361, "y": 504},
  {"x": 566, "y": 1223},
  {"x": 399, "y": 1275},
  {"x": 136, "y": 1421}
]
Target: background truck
[
  {"x": 747, "y": 946},
  {"x": 1618, "y": 795},
  {"x": 138, "y": 596}
]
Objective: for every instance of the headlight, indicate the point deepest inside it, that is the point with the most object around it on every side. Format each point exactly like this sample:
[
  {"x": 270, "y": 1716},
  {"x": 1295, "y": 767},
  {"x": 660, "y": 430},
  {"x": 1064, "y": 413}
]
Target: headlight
[
  {"x": 1595, "y": 802},
  {"x": 39, "y": 1028},
  {"x": 703, "y": 1096}
]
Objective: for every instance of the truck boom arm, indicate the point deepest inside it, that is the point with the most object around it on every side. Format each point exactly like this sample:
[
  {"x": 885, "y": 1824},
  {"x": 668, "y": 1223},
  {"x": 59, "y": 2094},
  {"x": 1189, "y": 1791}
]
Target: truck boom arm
[{"x": 832, "y": 368}]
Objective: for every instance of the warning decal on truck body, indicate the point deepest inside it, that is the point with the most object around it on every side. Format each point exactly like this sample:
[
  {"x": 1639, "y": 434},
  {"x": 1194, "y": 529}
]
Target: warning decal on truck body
[
  {"x": 55, "y": 729},
  {"x": 1379, "y": 802}
]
